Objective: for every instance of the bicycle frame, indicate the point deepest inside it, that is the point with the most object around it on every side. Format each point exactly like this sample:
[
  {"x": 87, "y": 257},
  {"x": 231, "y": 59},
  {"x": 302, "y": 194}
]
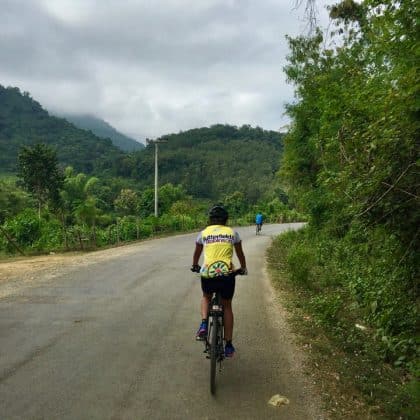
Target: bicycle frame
[{"x": 214, "y": 341}]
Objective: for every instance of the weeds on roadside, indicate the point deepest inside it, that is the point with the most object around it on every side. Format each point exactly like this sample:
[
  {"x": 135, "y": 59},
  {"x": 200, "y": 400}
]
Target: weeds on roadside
[{"x": 356, "y": 310}]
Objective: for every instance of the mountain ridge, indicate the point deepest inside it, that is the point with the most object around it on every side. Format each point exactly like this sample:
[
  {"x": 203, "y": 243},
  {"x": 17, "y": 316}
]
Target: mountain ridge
[
  {"x": 209, "y": 162},
  {"x": 103, "y": 129},
  {"x": 24, "y": 122}
]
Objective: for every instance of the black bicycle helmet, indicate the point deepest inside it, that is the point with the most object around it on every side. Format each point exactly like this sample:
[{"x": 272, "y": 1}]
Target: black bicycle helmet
[{"x": 218, "y": 213}]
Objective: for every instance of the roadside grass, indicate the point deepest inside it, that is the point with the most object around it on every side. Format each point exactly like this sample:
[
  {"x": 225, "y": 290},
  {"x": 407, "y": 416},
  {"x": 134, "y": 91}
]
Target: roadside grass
[
  {"x": 344, "y": 359},
  {"x": 10, "y": 257}
]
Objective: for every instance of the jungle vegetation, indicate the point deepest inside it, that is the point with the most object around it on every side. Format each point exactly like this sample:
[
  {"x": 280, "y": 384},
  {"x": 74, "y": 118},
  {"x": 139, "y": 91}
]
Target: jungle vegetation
[
  {"x": 351, "y": 163},
  {"x": 64, "y": 188}
]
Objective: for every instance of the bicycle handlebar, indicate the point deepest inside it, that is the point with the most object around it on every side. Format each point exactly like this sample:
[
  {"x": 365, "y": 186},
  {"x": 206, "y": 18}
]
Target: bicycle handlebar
[{"x": 240, "y": 272}]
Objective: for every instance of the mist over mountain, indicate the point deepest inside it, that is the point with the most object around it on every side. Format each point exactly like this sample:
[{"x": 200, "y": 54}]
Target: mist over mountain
[
  {"x": 104, "y": 130},
  {"x": 24, "y": 122},
  {"x": 209, "y": 162}
]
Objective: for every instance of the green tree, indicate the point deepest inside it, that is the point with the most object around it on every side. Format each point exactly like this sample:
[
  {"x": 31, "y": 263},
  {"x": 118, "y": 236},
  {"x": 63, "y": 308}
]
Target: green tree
[
  {"x": 77, "y": 188},
  {"x": 168, "y": 194},
  {"x": 351, "y": 162},
  {"x": 12, "y": 200},
  {"x": 213, "y": 162},
  {"x": 40, "y": 174},
  {"x": 80, "y": 203},
  {"x": 235, "y": 204},
  {"x": 127, "y": 203},
  {"x": 351, "y": 156}
]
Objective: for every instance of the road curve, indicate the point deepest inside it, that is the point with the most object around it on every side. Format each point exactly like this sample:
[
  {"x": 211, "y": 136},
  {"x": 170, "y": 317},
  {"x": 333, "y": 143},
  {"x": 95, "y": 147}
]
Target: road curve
[{"x": 114, "y": 339}]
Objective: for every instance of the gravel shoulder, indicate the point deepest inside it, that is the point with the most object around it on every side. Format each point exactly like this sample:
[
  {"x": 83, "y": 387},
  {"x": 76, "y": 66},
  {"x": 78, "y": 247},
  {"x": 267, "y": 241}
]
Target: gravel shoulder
[{"x": 17, "y": 273}]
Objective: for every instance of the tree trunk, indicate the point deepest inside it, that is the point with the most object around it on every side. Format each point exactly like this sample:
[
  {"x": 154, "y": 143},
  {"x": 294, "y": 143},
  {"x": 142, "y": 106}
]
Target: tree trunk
[
  {"x": 118, "y": 233},
  {"x": 94, "y": 234},
  {"x": 80, "y": 239},
  {"x": 63, "y": 225}
]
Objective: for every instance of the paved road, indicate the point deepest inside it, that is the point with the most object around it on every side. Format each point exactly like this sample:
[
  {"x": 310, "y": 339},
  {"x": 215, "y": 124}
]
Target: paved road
[{"x": 114, "y": 339}]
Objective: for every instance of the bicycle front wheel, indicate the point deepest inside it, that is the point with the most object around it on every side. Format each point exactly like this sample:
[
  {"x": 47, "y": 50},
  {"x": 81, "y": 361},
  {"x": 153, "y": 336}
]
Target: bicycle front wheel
[{"x": 213, "y": 354}]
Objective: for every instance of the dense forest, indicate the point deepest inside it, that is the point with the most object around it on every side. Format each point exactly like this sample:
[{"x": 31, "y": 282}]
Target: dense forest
[
  {"x": 23, "y": 121},
  {"x": 104, "y": 130},
  {"x": 210, "y": 161},
  {"x": 351, "y": 164}
]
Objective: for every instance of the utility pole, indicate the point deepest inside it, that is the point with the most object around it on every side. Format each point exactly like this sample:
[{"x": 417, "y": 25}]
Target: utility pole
[{"x": 156, "y": 143}]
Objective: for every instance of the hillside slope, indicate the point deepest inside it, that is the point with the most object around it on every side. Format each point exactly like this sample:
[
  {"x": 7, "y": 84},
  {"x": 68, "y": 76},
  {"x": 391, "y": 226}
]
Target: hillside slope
[
  {"x": 213, "y": 162},
  {"x": 104, "y": 130},
  {"x": 23, "y": 121},
  {"x": 210, "y": 162}
]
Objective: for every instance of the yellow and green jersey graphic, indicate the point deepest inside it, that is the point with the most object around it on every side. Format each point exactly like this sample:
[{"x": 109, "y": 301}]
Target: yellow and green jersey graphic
[{"x": 218, "y": 242}]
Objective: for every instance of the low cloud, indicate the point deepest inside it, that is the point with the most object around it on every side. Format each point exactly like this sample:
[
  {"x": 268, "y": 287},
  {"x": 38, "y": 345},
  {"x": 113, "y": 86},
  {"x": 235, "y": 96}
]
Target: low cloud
[{"x": 151, "y": 68}]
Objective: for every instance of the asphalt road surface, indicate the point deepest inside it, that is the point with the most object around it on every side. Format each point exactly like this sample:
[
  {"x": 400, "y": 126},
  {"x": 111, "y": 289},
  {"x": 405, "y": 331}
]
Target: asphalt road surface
[{"x": 114, "y": 339}]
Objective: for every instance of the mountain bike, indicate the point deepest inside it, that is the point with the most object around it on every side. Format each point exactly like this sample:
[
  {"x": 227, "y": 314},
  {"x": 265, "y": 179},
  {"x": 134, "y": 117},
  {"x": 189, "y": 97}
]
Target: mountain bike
[{"x": 213, "y": 343}]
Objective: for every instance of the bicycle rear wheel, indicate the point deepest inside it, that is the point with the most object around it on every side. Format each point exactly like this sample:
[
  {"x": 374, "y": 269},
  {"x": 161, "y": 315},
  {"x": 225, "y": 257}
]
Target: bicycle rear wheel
[{"x": 213, "y": 353}]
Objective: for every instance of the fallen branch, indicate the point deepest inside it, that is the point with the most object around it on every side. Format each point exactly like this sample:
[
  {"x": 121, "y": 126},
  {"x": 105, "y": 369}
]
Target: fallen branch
[
  {"x": 404, "y": 191},
  {"x": 10, "y": 240},
  {"x": 387, "y": 191}
]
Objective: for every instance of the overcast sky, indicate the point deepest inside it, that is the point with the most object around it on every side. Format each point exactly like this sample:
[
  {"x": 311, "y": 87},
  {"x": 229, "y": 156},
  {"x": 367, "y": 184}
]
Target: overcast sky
[{"x": 153, "y": 67}]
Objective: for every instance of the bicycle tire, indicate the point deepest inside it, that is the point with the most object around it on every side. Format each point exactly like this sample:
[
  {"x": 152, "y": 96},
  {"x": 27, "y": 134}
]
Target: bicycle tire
[{"x": 213, "y": 353}]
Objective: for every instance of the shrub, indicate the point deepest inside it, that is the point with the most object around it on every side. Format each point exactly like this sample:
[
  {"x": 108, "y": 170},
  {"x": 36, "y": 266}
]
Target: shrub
[
  {"x": 31, "y": 233},
  {"x": 24, "y": 228},
  {"x": 300, "y": 262}
]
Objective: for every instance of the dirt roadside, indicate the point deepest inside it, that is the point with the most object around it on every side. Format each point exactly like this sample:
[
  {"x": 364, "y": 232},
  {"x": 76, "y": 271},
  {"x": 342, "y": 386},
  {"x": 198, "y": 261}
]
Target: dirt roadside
[{"x": 21, "y": 272}]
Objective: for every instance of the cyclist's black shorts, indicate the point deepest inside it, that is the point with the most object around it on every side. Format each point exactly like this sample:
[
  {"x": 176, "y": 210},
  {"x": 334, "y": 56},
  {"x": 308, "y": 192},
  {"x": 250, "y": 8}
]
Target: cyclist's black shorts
[{"x": 225, "y": 285}]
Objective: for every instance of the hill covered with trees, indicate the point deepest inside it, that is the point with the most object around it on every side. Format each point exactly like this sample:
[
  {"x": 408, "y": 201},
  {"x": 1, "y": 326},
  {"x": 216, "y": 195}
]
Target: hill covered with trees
[
  {"x": 67, "y": 186},
  {"x": 213, "y": 162},
  {"x": 52, "y": 209},
  {"x": 210, "y": 163},
  {"x": 104, "y": 130},
  {"x": 23, "y": 122}
]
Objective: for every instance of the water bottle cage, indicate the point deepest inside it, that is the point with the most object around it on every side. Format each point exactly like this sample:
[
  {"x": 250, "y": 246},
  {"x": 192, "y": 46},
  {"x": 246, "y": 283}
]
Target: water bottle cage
[
  {"x": 216, "y": 306},
  {"x": 216, "y": 310}
]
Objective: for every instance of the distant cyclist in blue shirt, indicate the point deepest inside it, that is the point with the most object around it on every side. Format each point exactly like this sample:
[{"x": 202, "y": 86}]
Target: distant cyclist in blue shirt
[{"x": 259, "y": 221}]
